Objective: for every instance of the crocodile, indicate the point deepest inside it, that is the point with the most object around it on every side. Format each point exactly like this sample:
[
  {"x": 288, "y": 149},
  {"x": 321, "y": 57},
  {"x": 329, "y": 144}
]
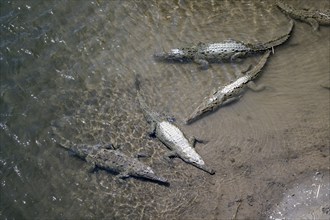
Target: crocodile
[
  {"x": 311, "y": 16},
  {"x": 105, "y": 157},
  {"x": 230, "y": 92},
  {"x": 203, "y": 53},
  {"x": 171, "y": 136}
]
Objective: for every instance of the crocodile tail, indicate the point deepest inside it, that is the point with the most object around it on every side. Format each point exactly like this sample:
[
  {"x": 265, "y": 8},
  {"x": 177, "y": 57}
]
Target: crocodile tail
[
  {"x": 59, "y": 139},
  {"x": 149, "y": 115},
  {"x": 141, "y": 100},
  {"x": 276, "y": 42},
  {"x": 79, "y": 150},
  {"x": 137, "y": 82},
  {"x": 285, "y": 8}
]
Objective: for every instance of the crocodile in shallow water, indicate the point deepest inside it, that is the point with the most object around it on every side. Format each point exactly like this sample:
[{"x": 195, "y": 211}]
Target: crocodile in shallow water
[
  {"x": 204, "y": 53},
  {"x": 230, "y": 92},
  {"x": 104, "y": 157},
  {"x": 170, "y": 135},
  {"x": 310, "y": 16}
]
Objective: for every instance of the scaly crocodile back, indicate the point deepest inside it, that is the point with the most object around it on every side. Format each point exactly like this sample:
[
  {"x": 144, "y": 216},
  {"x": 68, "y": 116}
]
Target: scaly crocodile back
[{"x": 115, "y": 161}]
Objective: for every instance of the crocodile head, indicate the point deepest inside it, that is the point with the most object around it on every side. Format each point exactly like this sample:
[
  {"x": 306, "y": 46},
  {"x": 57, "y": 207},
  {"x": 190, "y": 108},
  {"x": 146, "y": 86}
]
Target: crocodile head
[
  {"x": 205, "y": 168},
  {"x": 148, "y": 173},
  {"x": 194, "y": 159},
  {"x": 173, "y": 54},
  {"x": 177, "y": 54}
]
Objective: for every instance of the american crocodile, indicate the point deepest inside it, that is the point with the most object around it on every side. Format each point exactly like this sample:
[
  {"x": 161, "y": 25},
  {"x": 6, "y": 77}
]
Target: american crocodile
[
  {"x": 104, "y": 157},
  {"x": 310, "y": 16},
  {"x": 204, "y": 53},
  {"x": 171, "y": 136},
  {"x": 230, "y": 92}
]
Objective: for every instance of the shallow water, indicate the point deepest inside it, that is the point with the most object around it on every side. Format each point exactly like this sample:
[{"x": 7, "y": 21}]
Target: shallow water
[{"x": 72, "y": 63}]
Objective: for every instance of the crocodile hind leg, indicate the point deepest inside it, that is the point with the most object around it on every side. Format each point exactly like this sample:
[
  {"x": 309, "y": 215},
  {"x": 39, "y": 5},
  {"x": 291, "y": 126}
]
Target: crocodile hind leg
[
  {"x": 169, "y": 155},
  {"x": 254, "y": 87},
  {"x": 237, "y": 56},
  {"x": 313, "y": 23},
  {"x": 232, "y": 99},
  {"x": 91, "y": 167},
  {"x": 193, "y": 140},
  {"x": 152, "y": 130}
]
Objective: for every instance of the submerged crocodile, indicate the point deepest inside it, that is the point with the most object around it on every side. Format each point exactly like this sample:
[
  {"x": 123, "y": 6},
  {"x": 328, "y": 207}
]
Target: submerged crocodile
[
  {"x": 171, "y": 136},
  {"x": 230, "y": 92},
  {"x": 310, "y": 16},
  {"x": 204, "y": 53},
  {"x": 104, "y": 157}
]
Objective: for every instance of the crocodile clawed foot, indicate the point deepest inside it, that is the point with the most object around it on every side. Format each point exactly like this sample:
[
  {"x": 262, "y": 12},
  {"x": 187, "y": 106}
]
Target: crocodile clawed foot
[{"x": 254, "y": 87}]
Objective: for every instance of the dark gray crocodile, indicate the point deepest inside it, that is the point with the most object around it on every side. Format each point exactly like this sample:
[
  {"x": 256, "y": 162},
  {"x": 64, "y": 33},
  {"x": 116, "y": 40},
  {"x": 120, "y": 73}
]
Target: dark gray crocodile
[
  {"x": 204, "y": 53},
  {"x": 230, "y": 92},
  {"x": 171, "y": 136},
  {"x": 310, "y": 16},
  {"x": 104, "y": 157}
]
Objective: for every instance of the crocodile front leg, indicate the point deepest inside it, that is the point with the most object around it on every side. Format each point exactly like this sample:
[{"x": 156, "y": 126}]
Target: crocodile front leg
[
  {"x": 123, "y": 175},
  {"x": 91, "y": 167},
  {"x": 254, "y": 87},
  {"x": 204, "y": 64},
  {"x": 237, "y": 55}
]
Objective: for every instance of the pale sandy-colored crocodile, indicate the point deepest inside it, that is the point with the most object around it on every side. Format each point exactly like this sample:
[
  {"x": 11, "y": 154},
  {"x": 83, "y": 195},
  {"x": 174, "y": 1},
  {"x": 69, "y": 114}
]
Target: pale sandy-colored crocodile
[
  {"x": 314, "y": 17},
  {"x": 203, "y": 53},
  {"x": 230, "y": 92},
  {"x": 171, "y": 136}
]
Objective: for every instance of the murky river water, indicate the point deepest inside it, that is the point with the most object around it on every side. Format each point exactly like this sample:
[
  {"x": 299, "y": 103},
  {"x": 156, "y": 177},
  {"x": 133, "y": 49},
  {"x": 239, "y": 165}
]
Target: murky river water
[{"x": 72, "y": 63}]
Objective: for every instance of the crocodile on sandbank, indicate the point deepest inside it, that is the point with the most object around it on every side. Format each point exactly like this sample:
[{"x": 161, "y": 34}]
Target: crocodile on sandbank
[
  {"x": 203, "y": 53},
  {"x": 314, "y": 17},
  {"x": 171, "y": 136},
  {"x": 104, "y": 157},
  {"x": 230, "y": 92}
]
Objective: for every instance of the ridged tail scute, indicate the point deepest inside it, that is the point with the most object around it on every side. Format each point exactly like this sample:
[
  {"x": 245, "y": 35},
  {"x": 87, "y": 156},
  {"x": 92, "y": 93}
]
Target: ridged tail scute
[{"x": 276, "y": 42}]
